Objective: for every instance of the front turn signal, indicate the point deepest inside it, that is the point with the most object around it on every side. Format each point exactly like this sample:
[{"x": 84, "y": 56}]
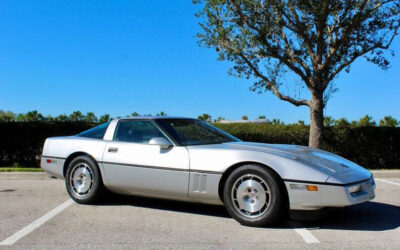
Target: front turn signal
[{"x": 312, "y": 188}]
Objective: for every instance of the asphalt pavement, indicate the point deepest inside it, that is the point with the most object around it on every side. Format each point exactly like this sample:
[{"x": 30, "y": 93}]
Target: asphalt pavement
[{"x": 36, "y": 213}]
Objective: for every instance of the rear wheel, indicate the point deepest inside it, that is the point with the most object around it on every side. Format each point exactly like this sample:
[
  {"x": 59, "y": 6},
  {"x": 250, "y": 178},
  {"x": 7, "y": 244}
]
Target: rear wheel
[
  {"x": 83, "y": 180},
  {"x": 253, "y": 196}
]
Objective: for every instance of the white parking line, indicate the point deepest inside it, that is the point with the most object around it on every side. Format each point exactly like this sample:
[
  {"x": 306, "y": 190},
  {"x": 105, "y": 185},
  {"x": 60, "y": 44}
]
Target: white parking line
[
  {"x": 389, "y": 182},
  {"x": 36, "y": 224},
  {"x": 307, "y": 236}
]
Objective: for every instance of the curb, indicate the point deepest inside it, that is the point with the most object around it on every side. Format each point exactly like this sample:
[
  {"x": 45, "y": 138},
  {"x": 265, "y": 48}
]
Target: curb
[{"x": 24, "y": 176}]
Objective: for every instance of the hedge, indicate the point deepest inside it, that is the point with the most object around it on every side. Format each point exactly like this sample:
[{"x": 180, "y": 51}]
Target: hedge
[
  {"x": 21, "y": 143},
  {"x": 371, "y": 147}
]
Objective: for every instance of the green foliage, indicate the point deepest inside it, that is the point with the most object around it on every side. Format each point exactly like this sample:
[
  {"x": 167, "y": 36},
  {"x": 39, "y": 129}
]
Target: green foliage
[
  {"x": 7, "y": 116},
  {"x": 135, "y": 114},
  {"x": 245, "y": 118},
  {"x": 301, "y": 122},
  {"x": 342, "y": 122},
  {"x": 314, "y": 40},
  {"x": 19, "y": 169},
  {"x": 388, "y": 121},
  {"x": 104, "y": 118},
  {"x": 220, "y": 119},
  {"x": 62, "y": 118},
  {"x": 371, "y": 147},
  {"x": 204, "y": 117},
  {"x": 22, "y": 142},
  {"x": 366, "y": 121},
  {"x": 76, "y": 116},
  {"x": 33, "y": 116},
  {"x": 328, "y": 121},
  {"x": 261, "y": 117},
  {"x": 277, "y": 122},
  {"x": 91, "y": 117},
  {"x": 162, "y": 113}
]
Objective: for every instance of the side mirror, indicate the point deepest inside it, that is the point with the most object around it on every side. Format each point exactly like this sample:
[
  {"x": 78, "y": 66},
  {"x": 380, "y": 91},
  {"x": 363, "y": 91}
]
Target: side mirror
[{"x": 161, "y": 141}]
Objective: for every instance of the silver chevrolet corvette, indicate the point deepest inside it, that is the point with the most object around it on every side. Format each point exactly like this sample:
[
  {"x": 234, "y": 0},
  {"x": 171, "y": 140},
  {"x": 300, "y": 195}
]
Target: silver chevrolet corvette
[{"x": 190, "y": 160}]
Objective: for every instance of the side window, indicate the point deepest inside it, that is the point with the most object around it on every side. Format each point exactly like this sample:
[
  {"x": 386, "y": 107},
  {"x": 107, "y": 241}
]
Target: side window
[
  {"x": 96, "y": 132},
  {"x": 136, "y": 131}
]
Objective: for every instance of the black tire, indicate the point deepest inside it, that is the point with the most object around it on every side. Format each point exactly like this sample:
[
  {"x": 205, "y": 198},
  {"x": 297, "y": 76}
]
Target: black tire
[
  {"x": 95, "y": 186},
  {"x": 243, "y": 198}
]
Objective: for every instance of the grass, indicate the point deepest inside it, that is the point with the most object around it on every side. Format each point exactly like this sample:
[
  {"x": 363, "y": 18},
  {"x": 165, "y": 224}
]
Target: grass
[{"x": 20, "y": 169}]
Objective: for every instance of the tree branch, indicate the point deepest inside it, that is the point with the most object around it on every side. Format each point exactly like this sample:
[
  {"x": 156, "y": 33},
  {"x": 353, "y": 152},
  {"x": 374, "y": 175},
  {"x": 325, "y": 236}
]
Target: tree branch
[
  {"x": 363, "y": 52},
  {"x": 273, "y": 52},
  {"x": 273, "y": 87}
]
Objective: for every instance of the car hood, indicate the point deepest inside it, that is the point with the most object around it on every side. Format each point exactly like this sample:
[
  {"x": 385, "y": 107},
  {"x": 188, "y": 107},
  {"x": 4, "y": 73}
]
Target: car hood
[{"x": 340, "y": 169}]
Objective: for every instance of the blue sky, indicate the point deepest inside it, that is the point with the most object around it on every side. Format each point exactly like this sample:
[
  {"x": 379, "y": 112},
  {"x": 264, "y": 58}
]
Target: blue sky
[{"x": 122, "y": 56}]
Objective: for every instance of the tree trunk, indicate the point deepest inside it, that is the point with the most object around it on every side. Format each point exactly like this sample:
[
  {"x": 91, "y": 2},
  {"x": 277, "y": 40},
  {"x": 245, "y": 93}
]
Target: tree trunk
[{"x": 316, "y": 121}]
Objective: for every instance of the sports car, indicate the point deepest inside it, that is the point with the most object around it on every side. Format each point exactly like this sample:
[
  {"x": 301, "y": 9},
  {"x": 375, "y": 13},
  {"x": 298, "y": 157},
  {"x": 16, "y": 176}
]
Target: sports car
[{"x": 191, "y": 160}]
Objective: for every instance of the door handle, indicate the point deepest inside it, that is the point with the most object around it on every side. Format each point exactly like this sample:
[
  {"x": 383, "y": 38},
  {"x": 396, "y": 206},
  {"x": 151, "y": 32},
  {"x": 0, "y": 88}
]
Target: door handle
[{"x": 113, "y": 150}]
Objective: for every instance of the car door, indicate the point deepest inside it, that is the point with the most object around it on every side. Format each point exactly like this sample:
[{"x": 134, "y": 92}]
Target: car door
[{"x": 132, "y": 165}]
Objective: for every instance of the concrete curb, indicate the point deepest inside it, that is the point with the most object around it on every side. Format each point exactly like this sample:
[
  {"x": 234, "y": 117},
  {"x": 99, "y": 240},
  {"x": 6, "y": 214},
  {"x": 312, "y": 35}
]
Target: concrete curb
[
  {"x": 44, "y": 176},
  {"x": 24, "y": 176}
]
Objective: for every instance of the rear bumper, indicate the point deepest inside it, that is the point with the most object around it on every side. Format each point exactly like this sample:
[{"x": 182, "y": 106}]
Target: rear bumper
[
  {"x": 53, "y": 166},
  {"x": 329, "y": 195}
]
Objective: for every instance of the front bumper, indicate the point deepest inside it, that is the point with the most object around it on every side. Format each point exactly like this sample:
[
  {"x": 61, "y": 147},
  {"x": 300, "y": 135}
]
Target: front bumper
[{"x": 329, "y": 195}]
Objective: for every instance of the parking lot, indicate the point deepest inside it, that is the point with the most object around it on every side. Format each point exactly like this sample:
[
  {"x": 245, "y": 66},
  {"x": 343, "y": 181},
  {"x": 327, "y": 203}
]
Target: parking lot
[{"x": 36, "y": 212}]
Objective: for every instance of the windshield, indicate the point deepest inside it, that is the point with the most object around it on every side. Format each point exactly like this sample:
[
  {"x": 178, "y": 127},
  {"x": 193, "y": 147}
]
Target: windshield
[{"x": 194, "y": 132}]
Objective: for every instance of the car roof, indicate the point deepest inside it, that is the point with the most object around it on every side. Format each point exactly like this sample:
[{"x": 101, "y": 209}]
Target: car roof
[{"x": 154, "y": 118}]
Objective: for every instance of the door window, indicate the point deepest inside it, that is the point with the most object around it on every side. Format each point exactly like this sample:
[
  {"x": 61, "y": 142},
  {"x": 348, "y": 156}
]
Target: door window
[{"x": 136, "y": 131}]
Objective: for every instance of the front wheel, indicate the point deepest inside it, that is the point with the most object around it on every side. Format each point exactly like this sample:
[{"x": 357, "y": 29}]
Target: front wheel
[
  {"x": 83, "y": 180},
  {"x": 253, "y": 196}
]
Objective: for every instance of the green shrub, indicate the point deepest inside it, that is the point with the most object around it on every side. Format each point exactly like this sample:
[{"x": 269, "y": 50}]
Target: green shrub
[
  {"x": 371, "y": 147},
  {"x": 22, "y": 142}
]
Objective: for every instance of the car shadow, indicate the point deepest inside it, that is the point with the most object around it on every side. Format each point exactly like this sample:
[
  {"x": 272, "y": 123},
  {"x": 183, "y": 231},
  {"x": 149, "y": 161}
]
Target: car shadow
[
  {"x": 162, "y": 204},
  {"x": 370, "y": 216}
]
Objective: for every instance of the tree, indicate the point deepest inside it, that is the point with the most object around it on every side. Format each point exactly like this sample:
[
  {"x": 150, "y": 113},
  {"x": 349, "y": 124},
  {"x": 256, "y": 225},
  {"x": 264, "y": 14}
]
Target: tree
[
  {"x": 205, "y": 117},
  {"x": 20, "y": 117},
  {"x": 162, "y": 113},
  {"x": 49, "y": 118},
  {"x": 244, "y": 117},
  {"x": 7, "y": 116},
  {"x": 33, "y": 116},
  {"x": 261, "y": 117},
  {"x": 301, "y": 122},
  {"x": 313, "y": 39},
  {"x": 277, "y": 122},
  {"x": 342, "y": 122},
  {"x": 135, "y": 113},
  {"x": 328, "y": 121},
  {"x": 62, "y": 118},
  {"x": 366, "y": 121},
  {"x": 76, "y": 116},
  {"x": 388, "y": 121},
  {"x": 104, "y": 118},
  {"x": 220, "y": 118},
  {"x": 91, "y": 117}
]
